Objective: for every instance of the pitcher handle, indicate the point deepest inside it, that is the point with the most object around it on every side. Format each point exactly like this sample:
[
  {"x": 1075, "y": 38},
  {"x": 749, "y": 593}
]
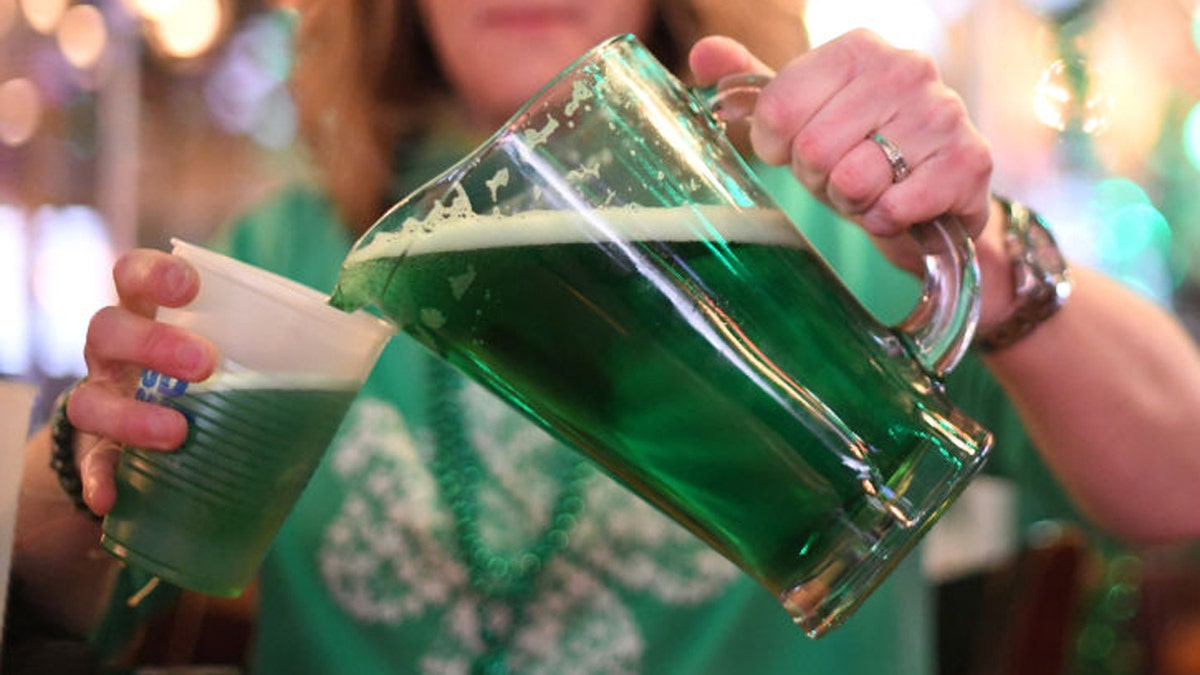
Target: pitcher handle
[{"x": 939, "y": 329}]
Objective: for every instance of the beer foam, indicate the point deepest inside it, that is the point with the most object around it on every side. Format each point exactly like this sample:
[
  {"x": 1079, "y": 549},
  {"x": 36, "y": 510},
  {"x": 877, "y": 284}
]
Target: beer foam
[{"x": 543, "y": 227}]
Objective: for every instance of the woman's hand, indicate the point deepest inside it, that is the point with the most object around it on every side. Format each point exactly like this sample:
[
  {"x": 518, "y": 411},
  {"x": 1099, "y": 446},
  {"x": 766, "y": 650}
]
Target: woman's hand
[
  {"x": 1110, "y": 372},
  {"x": 122, "y": 340},
  {"x": 821, "y": 113}
]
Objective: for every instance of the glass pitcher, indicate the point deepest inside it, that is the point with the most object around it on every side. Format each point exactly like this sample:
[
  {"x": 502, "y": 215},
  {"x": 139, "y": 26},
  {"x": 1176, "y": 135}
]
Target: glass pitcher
[{"x": 609, "y": 265}]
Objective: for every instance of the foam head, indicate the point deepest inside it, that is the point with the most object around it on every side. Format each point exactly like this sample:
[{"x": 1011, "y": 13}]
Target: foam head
[{"x": 274, "y": 326}]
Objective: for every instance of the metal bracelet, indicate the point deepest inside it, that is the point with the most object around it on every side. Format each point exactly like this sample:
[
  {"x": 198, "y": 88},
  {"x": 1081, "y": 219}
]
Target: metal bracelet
[{"x": 1040, "y": 278}]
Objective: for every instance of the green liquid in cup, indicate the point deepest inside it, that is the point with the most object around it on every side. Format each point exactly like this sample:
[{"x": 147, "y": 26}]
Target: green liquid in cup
[
  {"x": 202, "y": 516},
  {"x": 675, "y": 373}
]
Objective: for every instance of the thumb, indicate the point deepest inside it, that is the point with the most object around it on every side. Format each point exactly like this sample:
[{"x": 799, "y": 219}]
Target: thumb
[{"x": 714, "y": 57}]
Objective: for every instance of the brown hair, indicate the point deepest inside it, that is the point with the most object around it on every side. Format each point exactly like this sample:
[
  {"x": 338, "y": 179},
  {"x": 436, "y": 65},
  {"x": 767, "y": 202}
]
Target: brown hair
[{"x": 366, "y": 77}]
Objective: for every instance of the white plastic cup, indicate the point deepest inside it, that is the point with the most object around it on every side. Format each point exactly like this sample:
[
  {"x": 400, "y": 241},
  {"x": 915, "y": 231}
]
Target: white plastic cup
[{"x": 202, "y": 517}]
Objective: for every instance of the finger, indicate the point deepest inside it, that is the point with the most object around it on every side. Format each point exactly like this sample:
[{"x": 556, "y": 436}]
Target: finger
[
  {"x": 807, "y": 85},
  {"x": 714, "y": 57},
  {"x": 859, "y": 179},
  {"x": 867, "y": 170},
  {"x": 109, "y": 413},
  {"x": 97, "y": 469},
  {"x": 146, "y": 279},
  {"x": 120, "y": 342},
  {"x": 943, "y": 184}
]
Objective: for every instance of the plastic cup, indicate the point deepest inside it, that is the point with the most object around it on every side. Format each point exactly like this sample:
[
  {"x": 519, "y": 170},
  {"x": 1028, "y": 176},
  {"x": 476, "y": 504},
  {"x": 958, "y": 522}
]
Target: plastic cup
[{"x": 202, "y": 517}]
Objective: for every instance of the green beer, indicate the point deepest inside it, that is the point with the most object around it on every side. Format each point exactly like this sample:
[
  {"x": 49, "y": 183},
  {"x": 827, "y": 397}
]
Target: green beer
[
  {"x": 703, "y": 356},
  {"x": 203, "y": 516}
]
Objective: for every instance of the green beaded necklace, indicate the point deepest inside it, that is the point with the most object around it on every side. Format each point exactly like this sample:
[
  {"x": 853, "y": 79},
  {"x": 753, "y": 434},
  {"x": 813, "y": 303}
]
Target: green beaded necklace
[{"x": 504, "y": 583}]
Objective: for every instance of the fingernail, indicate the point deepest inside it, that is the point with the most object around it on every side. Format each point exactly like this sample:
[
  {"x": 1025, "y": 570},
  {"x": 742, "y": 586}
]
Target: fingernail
[
  {"x": 177, "y": 280},
  {"x": 163, "y": 428},
  {"x": 189, "y": 356}
]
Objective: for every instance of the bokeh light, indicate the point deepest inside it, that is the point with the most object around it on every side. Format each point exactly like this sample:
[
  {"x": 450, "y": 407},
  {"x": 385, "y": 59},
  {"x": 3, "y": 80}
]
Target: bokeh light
[
  {"x": 247, "y": 91},
  {"x": 71, "y": 280},
  {"x": 43, "y": 15},
  {"x": 14, "y": 306},
  {"x": 20, "y": 111},
  {"x": 1196, "y": 26},
  {"x": 1133, "y": 237},
  {"x": 185, "y": 29},
  {"x": 951, "y": 10},
  {"x": 912, "y": 24},
  {"x": 82, "y": 36},
  {"x": 1191, "y": 136},
  {"x": 1133, "y": 229},
  {"x": 152, "y": 10},
  {"x": 1057, "y": 100}
]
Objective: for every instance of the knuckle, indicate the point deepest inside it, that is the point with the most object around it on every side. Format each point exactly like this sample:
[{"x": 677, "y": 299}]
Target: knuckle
[
  {"x": 127, "y": 271},
  {"x": 772, "y": 114},
  {"x": 90, "y": 409},
  {"x": 947, "y": 112},
  {"x": 101, "y": 327},
  {"x": 981, "y": 156},
  {"x": 862, "y": 41},
  {"x": 887, "y": 209},
  {"x": 154, "y": 276},
  {"x": 77, "y": 404},
  {"x": 157, "y": 343},
  {"x": 973, "y": 161},
  {"x": 155, "y": 426},
  {"x": 858, "y": 49},
  {"x": 853, "y": 185},
  {"x": 810, "y": 148},
  {"x": 100, "y": 459},
  {"x": 916, "y": 68}
]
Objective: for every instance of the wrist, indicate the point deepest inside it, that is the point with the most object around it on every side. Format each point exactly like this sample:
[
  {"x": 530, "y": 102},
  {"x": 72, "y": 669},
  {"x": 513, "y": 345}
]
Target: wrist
[
  {"x": 997, "y": 294},
  {"x": 1030, "y": 281}
]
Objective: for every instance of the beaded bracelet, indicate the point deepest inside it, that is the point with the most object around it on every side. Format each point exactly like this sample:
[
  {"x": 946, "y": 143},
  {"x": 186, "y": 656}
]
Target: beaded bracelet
[{"x": 62, "y": 454}]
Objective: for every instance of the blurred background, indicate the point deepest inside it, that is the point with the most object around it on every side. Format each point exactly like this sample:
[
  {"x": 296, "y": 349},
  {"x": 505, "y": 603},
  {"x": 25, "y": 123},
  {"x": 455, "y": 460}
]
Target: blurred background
[{"x": 127, "y": 122}]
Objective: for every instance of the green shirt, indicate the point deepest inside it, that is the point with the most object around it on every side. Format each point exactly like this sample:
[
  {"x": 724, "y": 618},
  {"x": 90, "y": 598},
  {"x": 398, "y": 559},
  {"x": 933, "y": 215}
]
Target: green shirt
[{"x": 364, "y": 577}]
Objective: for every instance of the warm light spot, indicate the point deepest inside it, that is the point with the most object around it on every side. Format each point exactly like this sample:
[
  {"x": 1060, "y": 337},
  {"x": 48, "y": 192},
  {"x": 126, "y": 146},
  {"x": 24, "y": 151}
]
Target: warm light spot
[
  {"x": 20, "y": 111},
  {"x": 82, "y": 36},
  {"x": 43, "y": 15},
  {"x": 912, "y": 24},
  {"x": 1057, "y": 102},
  {"x": 188, "y": 28},
  {"x": 153, "y": 10}
]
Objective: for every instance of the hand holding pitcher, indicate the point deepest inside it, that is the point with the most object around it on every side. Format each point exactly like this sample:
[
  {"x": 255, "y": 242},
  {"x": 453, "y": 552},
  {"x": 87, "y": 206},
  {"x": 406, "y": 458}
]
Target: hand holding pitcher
[
  {"x": 857, "y": 99},
  {"x": 609, "y": 264}
]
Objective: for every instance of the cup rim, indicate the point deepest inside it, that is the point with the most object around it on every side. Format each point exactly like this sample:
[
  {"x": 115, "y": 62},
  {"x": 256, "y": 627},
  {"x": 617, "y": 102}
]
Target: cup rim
[{"x": 265, "y": 282}]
